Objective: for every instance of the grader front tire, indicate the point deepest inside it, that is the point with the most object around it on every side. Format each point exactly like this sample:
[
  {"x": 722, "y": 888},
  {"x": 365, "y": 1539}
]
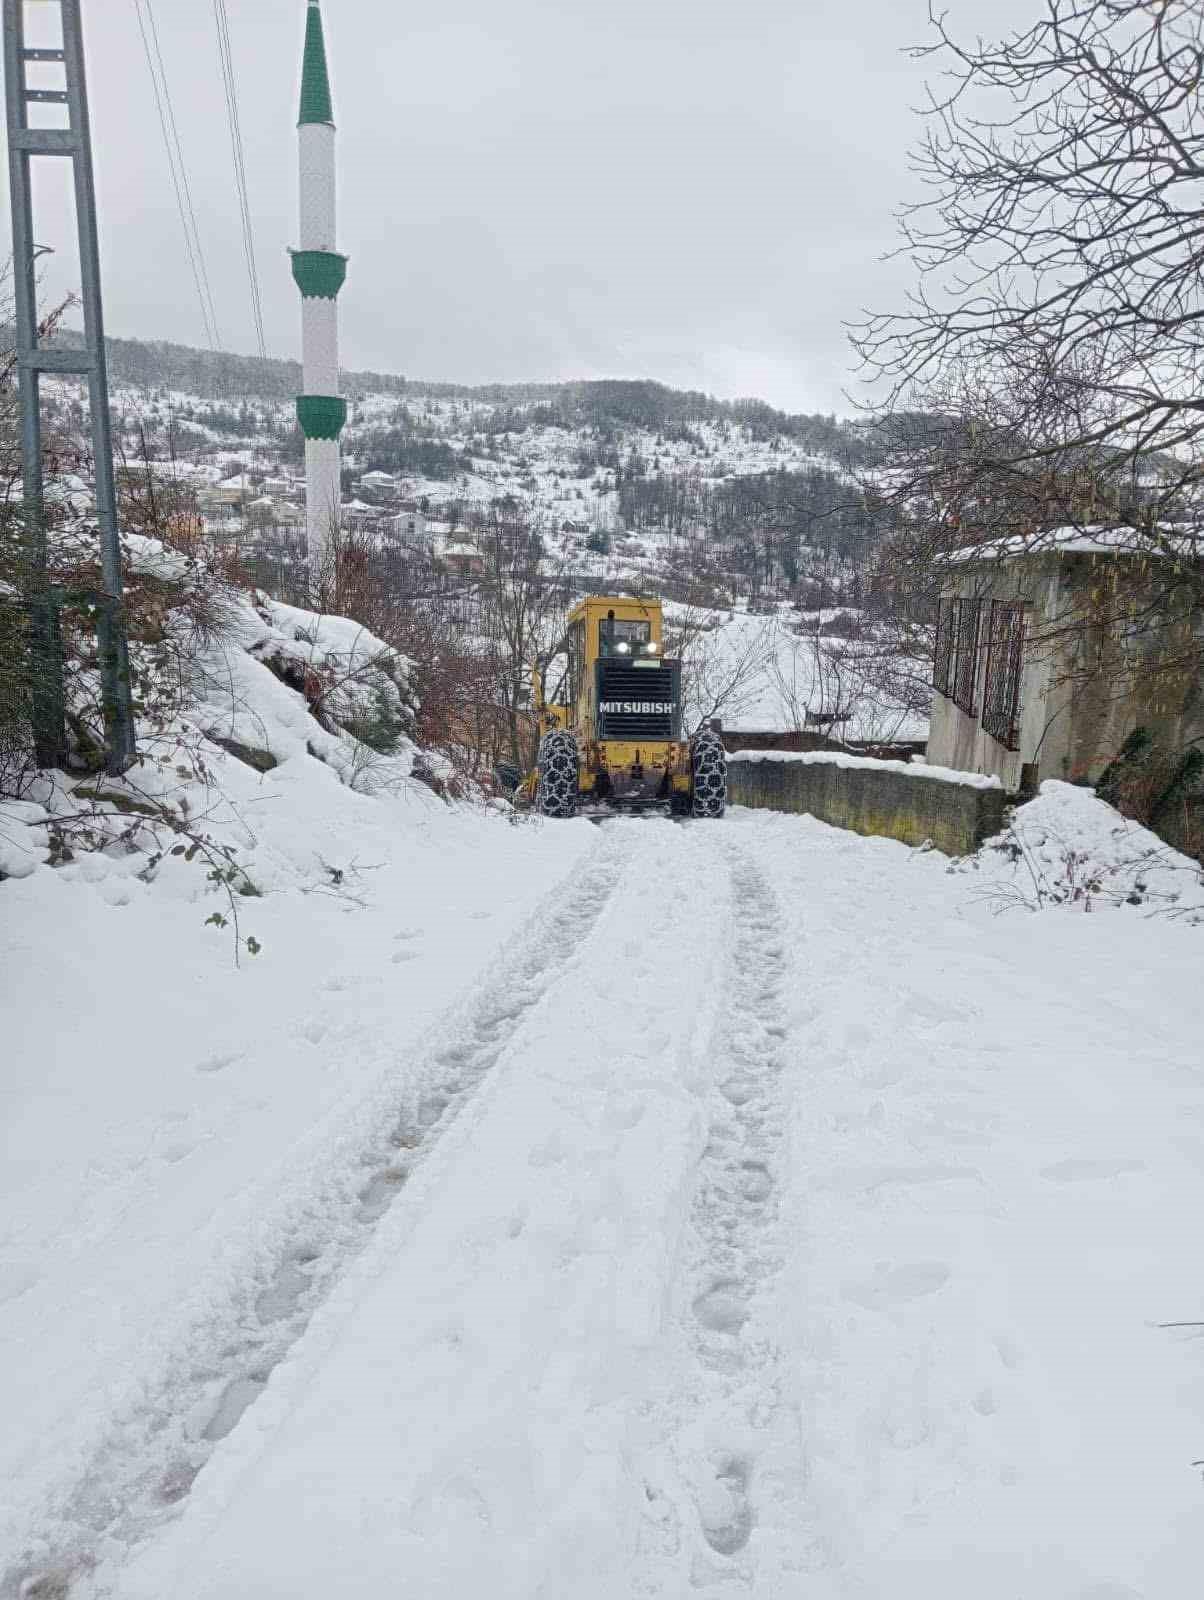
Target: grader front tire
[
  {"x": 708, "y": 765},
  {"x": 558, "y": 782}
]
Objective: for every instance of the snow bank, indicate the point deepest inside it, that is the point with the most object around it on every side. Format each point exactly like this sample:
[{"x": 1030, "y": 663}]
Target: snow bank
[{"x": 1068, "y": 848}]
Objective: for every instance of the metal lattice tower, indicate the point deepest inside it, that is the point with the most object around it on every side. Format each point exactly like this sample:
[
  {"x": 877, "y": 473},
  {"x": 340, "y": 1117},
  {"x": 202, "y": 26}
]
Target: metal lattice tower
[
  {"x": 73, "y": 143},
  {"x": 319, "y": 271}
]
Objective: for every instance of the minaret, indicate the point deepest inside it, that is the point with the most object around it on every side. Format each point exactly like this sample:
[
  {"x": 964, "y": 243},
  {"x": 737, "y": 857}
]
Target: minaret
[{"x": 319, "y": 271}]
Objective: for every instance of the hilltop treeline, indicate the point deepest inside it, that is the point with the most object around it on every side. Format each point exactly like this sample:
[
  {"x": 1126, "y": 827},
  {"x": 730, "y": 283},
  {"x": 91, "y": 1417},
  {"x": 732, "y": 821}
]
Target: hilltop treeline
[{"x": 603, "y": 405}]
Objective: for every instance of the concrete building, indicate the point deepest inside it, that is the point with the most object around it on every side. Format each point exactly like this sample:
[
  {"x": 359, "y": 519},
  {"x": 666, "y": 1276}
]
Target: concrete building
[
  {"x": 1050, "y": 652},
  {"x": 381, "y": 484},
  {"x": 409, "y": 529},
  {"x": 460, "y": 557},
  {"x": 234, "y": 491}
]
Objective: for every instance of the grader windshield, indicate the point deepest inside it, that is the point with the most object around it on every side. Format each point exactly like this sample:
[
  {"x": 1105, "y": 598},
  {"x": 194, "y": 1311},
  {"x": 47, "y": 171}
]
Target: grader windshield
[{"x": 617, "y": 637}]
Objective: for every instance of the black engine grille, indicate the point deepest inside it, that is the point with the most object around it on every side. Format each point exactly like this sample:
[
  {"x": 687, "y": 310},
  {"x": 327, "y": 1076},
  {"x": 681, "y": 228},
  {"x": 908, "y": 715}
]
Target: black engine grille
[{"x": 625, "y": 687}]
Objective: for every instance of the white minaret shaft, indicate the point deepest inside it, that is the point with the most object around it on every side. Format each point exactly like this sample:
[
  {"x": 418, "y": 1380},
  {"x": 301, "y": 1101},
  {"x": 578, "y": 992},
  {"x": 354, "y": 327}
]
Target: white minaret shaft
[{"x": 319, "y": 271}]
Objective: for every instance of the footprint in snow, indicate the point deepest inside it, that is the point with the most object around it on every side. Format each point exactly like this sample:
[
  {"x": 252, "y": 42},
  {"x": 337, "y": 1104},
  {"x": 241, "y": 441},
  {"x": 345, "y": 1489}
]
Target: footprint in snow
[
  {"x": 408, "y": 933},
  {"x": 341, "y": 985},
  {"x": 1086, "y": 1171},
  {"x": 235, "y": 1398},
  {"x": 219, "y": 1061},
  {"x": 16, "y": 1279},
  {"x": 892, "y": 1286},
  {"x": 401, "y": 956},
  {"x": 723, "y": 1509},
  {"x": 722, "y": 1308},
  {"x": 1009, "y": 1351},
  {"x": 178, "y": 1151}
]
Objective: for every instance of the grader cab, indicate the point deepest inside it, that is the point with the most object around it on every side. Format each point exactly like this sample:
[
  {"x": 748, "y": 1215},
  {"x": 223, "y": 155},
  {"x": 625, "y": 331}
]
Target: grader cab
[{"x": 611, "y": 729}]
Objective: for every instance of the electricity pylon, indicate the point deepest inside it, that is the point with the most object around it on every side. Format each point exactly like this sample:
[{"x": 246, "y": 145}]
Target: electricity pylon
[{"x": 73, "y": 142}]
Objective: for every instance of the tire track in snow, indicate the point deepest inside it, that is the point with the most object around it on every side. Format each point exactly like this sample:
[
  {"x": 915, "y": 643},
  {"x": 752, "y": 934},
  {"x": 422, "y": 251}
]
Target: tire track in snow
[
  {"x": 249, "y": 1318},
  {"x": 735, "y": 1367}
]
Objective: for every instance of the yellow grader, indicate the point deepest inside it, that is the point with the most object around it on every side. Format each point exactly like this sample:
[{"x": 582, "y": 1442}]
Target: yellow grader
[{"x": 611, "y": 730}]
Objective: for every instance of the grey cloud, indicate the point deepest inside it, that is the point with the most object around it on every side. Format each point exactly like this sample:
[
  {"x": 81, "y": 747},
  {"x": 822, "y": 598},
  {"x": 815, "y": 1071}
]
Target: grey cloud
[{"x": 694, "y": 192}]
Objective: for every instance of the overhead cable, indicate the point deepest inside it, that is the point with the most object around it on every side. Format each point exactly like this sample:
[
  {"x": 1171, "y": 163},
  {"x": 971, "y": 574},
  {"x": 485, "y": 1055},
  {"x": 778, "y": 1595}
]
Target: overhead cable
[
  {"x": 240, "y": 170},
  {"x": 179, "y": 172}
]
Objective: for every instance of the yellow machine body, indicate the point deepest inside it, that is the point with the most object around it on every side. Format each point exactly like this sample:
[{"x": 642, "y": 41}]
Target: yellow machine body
[{"x": 621, "y": 700}]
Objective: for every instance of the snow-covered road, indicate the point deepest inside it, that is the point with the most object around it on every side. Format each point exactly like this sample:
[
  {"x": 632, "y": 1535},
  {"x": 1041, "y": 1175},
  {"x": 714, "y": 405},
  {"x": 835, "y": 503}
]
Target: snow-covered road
[{"x": 768, "y": 1219}]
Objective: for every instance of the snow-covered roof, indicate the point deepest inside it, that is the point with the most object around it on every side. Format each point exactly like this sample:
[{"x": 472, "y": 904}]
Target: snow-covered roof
[{"x": 1078, "y": 541}]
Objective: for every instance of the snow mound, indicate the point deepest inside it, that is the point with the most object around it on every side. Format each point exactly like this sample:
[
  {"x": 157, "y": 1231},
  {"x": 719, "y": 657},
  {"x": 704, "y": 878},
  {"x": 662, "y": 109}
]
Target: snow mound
[
  {"x": 262, "y": 730},
  {"x": 1069, "y": 848}
]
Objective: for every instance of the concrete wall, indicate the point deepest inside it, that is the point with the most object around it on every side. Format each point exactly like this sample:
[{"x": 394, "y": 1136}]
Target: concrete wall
[{"x": 882, "y": 798}]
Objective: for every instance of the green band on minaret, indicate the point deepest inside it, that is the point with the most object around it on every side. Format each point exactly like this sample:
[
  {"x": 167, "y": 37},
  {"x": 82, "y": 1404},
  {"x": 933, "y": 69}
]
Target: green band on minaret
[
  {"x": 321, "y": 415},
  {"x": 319, "y": 274},
  {"x": 315, "y": 83}
]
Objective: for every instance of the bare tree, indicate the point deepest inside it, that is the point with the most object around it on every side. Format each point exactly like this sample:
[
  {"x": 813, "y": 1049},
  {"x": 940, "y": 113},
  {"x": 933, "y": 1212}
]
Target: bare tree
[
  {"x": 524, "y": 597},
  {"x": 1049, "y": 368}
]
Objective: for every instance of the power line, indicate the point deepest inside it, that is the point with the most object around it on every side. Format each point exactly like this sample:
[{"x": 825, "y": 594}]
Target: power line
[
  {"x": 179, "y": 174},
  {"x": 240, "y": 169},
  {"x": 183, "y": 172}
]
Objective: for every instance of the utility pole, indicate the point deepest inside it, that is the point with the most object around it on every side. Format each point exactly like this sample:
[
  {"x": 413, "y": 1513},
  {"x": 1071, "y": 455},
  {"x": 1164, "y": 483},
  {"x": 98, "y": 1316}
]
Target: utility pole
[{"x": 72, "y": 141}]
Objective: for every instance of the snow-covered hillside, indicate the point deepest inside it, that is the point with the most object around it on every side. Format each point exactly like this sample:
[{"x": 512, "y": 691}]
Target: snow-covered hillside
[{"x": 626, "y": 482}]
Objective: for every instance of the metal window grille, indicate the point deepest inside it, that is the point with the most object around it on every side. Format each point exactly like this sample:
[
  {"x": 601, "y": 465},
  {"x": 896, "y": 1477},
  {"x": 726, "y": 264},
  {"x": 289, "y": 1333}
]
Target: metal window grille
[
  {"x": 942, "y": 667},
  {"x": 965, "y": 665},
  {"x": 1005, "y": 659}
]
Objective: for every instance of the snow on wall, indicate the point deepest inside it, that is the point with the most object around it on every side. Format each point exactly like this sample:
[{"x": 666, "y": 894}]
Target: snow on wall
[{"x": 838, "y": 758}]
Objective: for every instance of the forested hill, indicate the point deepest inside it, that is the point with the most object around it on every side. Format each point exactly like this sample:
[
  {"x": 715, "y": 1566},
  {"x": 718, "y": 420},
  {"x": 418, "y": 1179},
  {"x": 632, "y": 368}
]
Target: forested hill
[{"x": 604, "y": 404}]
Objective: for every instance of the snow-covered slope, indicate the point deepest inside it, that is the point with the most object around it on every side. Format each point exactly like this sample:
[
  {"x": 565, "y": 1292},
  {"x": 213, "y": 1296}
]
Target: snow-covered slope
[{"x": 778, "y": 673}]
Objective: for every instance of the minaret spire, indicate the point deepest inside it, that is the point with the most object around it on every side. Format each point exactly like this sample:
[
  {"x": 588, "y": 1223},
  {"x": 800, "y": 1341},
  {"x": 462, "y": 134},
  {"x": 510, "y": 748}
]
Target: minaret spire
[
  {"x": 315, "y": 79},
  {"x": 319, "y": 271}
]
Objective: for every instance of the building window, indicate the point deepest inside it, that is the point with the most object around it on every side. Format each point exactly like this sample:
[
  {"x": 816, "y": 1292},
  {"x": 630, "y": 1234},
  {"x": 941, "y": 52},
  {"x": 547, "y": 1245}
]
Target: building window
[
  {"x": 1005, "y": 660},
  {"x": 943, "y": 665},
  {"x": 955, "y": 672}
]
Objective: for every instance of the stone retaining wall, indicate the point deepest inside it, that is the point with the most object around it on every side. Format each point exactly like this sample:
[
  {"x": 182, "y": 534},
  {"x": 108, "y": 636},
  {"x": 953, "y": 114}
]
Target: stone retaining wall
[{"x": 873, "y": 797}]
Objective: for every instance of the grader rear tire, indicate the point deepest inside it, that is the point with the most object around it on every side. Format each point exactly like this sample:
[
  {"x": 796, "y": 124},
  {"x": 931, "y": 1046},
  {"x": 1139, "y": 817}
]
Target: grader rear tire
[
  {"x": 558, "y": 782},
  {"x": 708, "y": 765}
]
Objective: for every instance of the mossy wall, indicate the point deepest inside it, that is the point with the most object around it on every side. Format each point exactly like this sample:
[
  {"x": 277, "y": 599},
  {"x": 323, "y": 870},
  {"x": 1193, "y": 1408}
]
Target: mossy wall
[{"x": 879, "y": 801}]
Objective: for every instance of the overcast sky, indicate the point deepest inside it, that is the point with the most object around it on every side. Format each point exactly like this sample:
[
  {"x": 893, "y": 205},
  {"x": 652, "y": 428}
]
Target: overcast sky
[{"x": 530, "y": 189}]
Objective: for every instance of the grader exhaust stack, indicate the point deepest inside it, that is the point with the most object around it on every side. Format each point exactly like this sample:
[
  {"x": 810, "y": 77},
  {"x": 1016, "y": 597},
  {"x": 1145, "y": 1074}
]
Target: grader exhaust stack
[{"x": 611, "y": 731}]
